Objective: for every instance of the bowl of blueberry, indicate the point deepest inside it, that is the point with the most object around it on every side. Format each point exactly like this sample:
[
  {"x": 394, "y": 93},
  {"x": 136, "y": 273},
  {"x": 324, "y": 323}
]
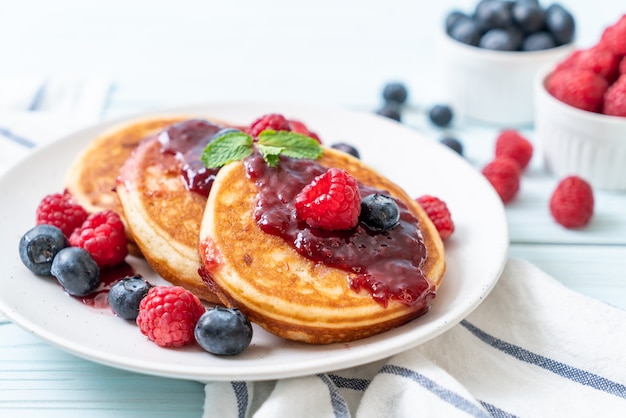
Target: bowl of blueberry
[
  {"x": 580, "y": 105},
  {"x": 491, "y": 55}
]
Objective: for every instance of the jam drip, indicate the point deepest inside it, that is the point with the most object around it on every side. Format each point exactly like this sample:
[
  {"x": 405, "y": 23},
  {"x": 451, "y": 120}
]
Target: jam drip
[
  {"x": 108, "y": 277},
  {"x": 186, "y": 141},
  {"x": 388, "y": 264}
]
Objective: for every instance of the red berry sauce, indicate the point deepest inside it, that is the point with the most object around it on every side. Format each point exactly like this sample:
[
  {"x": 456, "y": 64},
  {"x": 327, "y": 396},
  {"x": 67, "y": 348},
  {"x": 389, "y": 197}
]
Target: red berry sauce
[
  {"x": 187, "y": 140},
  {"x": 388, "y": 264}
]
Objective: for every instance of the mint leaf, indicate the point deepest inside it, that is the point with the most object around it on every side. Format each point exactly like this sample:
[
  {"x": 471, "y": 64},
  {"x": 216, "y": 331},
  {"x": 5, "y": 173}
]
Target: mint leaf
[
  {"x": 233, "y": 146},
  {"x": 291, "y": 144},
  {"x": 270, "y": 153}
]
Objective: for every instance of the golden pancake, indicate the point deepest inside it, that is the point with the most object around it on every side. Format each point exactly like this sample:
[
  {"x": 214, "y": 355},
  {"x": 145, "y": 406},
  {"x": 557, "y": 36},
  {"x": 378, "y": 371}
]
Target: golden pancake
[
  {"x": 162, "y": 214},
  {"x": 291, "y": 295},
  {"x": 91, "y": 179}
]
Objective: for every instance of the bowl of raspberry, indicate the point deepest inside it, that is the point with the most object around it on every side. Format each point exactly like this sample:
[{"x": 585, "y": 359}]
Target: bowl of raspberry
[
  {"x": 492, "y": 54},
  {"x": 580, "y": 112}
]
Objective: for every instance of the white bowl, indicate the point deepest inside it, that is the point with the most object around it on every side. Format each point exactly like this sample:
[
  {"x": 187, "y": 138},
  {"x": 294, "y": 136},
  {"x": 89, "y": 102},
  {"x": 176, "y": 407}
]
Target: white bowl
[
  {"x": 495, "y": 87},
  {"x": 574, "y": 141}
]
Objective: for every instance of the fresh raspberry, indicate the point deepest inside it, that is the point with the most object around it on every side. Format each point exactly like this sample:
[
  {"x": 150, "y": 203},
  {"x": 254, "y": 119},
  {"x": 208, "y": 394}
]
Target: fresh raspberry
[
  {"x": 615, "y": 98},
  {"x": 300, "y": 128},
  {"x": 571, "y": 204},
  {"x": 272, "y": 121},
  {"x": 510, "y": 143},
  {"x": 168, "y": 315},
  {"x": 59, "y": 210},
  {"x": 597, "y": 59},
  {"x": 622, "y": 66},
  {"x": 438, "y": 212},
  {"x": 582, "y": 89},
  {"x": 613, "y": 37},
  {"x": 102, "y": 235},
  {"x": 332, "y": 201},
  {"x": 504, "y": 175}
]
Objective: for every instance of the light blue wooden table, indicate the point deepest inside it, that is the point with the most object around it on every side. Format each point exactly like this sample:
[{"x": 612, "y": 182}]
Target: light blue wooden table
[{"x": 161, "y": 55}]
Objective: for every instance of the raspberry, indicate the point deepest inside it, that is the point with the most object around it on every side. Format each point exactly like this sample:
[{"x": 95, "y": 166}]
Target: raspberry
[
  {"x": 613, "y": 37},
  {"x": 571, "y": 204},
  {"x": 59, "y": 210},
  {"x": 504, "y": 175},
  {"x": 332, "y": 201},
  {"x": 512, "y": 144},
  {"x": 615, "y": 98},
  {"x": 102, "y": 235},
  {"x": 168, "y": 315},
  {"x": 273, "y": 121},
  {"x": 438, "y": 212},
  {"x": 301, "y": 128},
  {"x": 598, "y": 59},
  {"x": 582, "y": 89}
]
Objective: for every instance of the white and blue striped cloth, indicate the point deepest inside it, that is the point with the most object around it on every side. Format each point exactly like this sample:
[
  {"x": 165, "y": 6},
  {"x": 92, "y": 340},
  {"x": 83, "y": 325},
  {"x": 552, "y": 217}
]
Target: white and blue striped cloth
[{"x": 533, "y": 348}]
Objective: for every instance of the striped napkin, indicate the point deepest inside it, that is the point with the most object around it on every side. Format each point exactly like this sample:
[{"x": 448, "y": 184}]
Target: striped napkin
[
  {"x": 533, "y": 348},
  {"x": 37, "y": 109}
]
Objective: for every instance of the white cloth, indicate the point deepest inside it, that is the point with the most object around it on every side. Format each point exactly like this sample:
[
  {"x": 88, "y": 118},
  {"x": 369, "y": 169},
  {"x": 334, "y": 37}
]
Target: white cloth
[{"x": 533, "y": 348}]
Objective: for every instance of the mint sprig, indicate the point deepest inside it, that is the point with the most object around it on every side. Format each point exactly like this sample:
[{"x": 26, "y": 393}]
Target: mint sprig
[{"x": 235, "y": 146}]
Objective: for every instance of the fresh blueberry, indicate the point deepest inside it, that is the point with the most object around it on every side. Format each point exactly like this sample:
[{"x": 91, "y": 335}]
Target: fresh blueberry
[
  {"x": 39, "y": 246},
  {"x": 390, "y": 110},
  {"x": 499, "y": 40},
  {"x": 223, "y": 331},
  {"x": 528, "y": 16},
  {"x": 126, "y": 295},
  {"x": 347, "y": 148},
  {"x": 76, "y": 270},
  {"x": 395, "y": 92},
  {"x": 560, "y": 23},
  {"x": 491, "y": 14},
  {"x": 453, "y": 144},
  {"x": 538, "y": 41},
  {"x": 466, "y": 31},
  {"x": 224, "y": 131},
  {"x": 440, "y": 115},
  {"x": 379, "y": 212},
  {"x": 453, "y": 18}
]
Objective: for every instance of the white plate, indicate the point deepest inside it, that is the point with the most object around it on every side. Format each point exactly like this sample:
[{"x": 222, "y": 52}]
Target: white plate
[{"x": 476, "y": 254}]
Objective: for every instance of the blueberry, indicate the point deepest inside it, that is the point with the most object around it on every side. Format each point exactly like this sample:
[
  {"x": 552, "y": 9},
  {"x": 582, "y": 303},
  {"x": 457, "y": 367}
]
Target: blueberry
[
  {"x": 379, "y": 212},
  {"x": 347, "y": 148},
  {"x": 223, "y": 331},
  {"x": 490, "y": 14},
  {"x": 126, "y": 295},
  {"x": 466, "y": 31},
  {"x": 395, "y": 92},
  {"x": 440, "y": 115},
  {"x": 224, "y": 131},
  {"x": 390, "y": 110},
  {"x": 76, "y": 270},
  {"x": 499, "y": 40},
  {"x": 528, "y": 16},
  {"x": 39, "y": 246},
  {"x": 560, "y": 23},
  {"x": 453, "y": 18},
  {"x": 538, "y": 41},
  {"x": 453, "y": 144}
]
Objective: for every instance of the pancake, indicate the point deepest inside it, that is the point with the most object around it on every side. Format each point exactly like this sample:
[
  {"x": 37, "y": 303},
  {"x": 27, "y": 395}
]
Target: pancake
[
  {"x": 162, "y": 213},
  {"x": 291, "y": 295},
  {"x": 91, "y": 179}
]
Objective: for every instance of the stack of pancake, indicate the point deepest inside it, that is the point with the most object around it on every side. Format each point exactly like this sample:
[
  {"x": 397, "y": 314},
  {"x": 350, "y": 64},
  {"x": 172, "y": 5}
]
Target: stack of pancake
[{"x": 214, "y": 247}]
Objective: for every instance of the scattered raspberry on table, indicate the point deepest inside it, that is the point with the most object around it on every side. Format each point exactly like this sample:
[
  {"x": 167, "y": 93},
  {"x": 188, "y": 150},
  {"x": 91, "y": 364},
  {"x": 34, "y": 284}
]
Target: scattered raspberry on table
[{"x": 571, "y": 203}]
